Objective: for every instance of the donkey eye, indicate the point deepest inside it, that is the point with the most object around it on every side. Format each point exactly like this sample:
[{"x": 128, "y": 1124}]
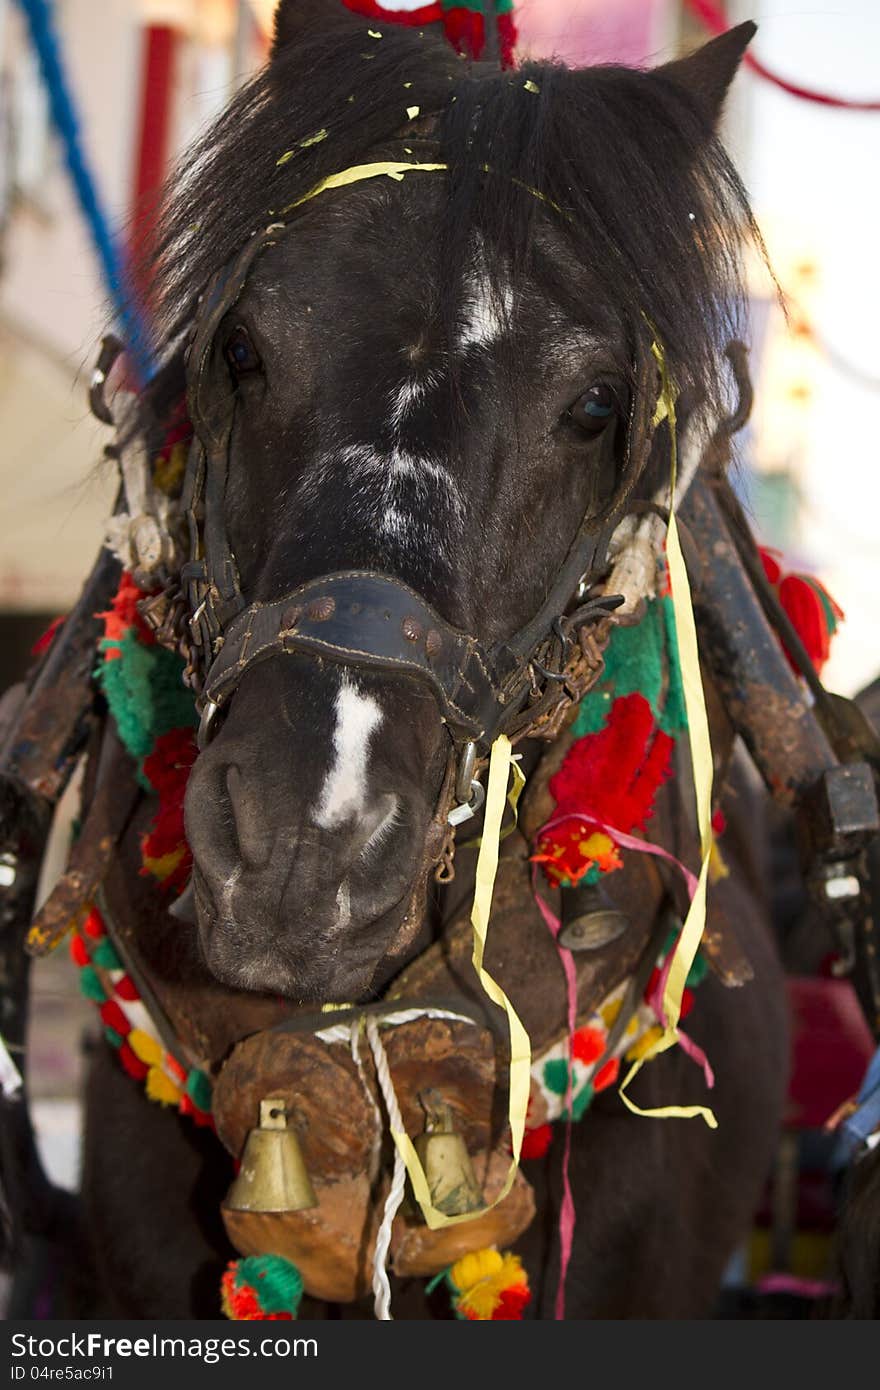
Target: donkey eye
[
  {"x": 241, "y": 355},
  {"x": 593, "y": 410}
]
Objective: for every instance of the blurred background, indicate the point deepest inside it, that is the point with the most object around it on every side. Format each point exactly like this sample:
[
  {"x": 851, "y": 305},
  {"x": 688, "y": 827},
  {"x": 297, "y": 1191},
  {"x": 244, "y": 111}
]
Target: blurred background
[{"x": 146, "y": 75}]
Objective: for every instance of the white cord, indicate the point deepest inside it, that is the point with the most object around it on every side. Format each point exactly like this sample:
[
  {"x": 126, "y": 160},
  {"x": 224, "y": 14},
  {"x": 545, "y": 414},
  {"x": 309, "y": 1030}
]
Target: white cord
[
  {"x": 10, "y": 1076},
  {"x": 381, "y": 1286},
  {"x": 341, "y": 1032}
]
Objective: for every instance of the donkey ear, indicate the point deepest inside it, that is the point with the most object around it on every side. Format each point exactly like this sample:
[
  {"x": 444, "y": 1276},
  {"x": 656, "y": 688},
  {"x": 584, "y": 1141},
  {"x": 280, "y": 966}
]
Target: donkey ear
[
  {"x": 706, "y": 74},
  {"x": 294, "y": 17}
]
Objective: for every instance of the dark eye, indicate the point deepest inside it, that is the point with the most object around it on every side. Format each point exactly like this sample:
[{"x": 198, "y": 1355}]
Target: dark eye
[
  {"x": 240, "y": 353},
  {"x": 593, "y": 410}
]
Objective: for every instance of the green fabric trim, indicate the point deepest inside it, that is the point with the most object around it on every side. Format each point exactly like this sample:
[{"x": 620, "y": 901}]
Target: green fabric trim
[
  {"x": 640, "y": 660},
  {"x": 594, "y": 711},
  {"x": 145, "y": 691},
  {"x": 673, "y": 716}
]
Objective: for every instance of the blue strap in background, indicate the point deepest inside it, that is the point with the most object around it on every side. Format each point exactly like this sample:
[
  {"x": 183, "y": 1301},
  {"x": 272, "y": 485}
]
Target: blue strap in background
[
  {"x": 40, "y": 20},
  {"x": 866, "y": 1119}
]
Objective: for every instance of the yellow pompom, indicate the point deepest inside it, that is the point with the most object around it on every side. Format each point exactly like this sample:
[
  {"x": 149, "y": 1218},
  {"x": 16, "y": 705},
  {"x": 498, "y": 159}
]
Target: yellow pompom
[
  {"x": 164, "y": 866},
  {"x": 481, "y": 1278},
  {"x": 717, "y": 865},
  {"x": 145, "y": 1047},
  {"x": 610, "y": 1011},
  {"x": 161, "y": 1088},
  {"x": 470, "y": 1269},
  {"x": 644, "y": 1044}
]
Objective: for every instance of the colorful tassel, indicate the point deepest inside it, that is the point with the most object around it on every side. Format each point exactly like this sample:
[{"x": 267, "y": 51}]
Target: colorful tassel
[
  {"x": 261, "y": 1287},
  {"x": 812, "y": 611},
  {"x": 488, "y": 1286}
]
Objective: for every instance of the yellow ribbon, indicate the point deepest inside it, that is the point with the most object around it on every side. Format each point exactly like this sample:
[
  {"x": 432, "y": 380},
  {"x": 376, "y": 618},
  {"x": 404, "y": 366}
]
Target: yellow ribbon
[
  {"x": 520, "y": 1048},
  {"x": 701, "y": 761},
  {"x": 387, "y": 168},
  {"x": 513, "y": 796}
]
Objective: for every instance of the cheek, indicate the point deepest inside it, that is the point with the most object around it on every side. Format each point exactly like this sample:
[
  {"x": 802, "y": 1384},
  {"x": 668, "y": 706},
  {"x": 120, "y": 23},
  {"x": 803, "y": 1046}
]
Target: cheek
[{"x": 259, "y": 487}]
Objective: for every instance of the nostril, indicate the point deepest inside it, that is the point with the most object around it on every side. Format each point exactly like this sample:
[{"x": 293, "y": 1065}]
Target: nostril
[{"x": 252, "y": 826}]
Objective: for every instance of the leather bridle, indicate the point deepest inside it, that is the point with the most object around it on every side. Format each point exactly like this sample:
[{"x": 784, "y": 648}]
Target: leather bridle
[{"x": 368, "y": 619}]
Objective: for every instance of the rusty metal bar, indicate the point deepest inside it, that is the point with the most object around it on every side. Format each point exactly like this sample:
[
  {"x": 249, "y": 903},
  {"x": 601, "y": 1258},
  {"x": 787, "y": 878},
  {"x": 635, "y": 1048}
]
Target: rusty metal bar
[{"x": 761, "y": 694}]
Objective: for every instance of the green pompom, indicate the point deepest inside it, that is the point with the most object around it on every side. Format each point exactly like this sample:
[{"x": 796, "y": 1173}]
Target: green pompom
[
  {"x": 276, "y": 1282},
  {"x": 114, "y": 1039},
  {"x": 90, "y": 984},
  {"x": 198, "y": 1088},
  {"x": 582, "y": 1101},
  {"x": 145, "y": 691},
  {"x": 104, "y": 954},
  {"x": 698, "y": 971},
  {"x": 556, "y": 1075}
]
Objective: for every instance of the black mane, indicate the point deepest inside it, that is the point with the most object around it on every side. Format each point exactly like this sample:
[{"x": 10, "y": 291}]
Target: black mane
[{"x": 651, "y": 206}]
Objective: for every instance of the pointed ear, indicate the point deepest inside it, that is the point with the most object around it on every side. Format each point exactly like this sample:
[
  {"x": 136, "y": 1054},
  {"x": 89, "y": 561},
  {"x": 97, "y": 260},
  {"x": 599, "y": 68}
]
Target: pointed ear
[
  {"x": 706, "y": 75},
  {"x": 294, "y": 17}
]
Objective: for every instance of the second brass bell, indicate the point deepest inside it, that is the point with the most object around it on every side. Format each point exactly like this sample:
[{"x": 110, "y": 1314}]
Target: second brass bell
[{"x": 449, "y": 1172}]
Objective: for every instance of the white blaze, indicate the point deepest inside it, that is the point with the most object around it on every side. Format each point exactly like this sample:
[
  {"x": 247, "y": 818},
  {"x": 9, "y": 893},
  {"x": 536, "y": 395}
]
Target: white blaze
[{"x": 344, "y": 793}]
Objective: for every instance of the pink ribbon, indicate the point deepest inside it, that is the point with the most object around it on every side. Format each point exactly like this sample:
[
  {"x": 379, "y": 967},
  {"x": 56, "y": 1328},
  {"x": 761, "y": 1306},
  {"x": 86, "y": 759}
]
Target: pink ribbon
[
  {"x": 567, "y": 1213},
  {"x": 625, "y": 841},
  {"x": 655, "y": 999}
]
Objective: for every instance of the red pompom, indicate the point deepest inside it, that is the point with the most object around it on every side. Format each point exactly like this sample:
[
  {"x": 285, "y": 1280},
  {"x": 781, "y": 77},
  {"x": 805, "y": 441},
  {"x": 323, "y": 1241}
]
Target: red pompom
[
  {"x": 771, "y": 565},
  {"x": 79, "y": 953},
  {"x": 607, "y": 1075},
  {"x": 507, "y": 37},
  {"x": 126, "y": 988},
  {"x": 465, "y": 31},
  {"x": 93, "y": 926},
  {"x": 813, "y": 613},
  {"x": 687, "y": 1003},
  {"x": 133, "y": 1065},
  {"x": 537, "y": 1141},
  {"x": 114, "y": 1018},
  {"x": 587, "y": 1045},
  {"x": 511, "y": 1303}
]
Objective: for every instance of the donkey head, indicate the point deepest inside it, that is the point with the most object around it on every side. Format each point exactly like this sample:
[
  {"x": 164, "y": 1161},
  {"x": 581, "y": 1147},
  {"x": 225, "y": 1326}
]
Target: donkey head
[{"x": 435, "y": 378}]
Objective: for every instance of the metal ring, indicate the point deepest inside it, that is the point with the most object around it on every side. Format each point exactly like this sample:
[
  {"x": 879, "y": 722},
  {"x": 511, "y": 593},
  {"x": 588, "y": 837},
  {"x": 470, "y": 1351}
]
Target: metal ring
[
  {"x": 468, "y": 809},
  {"x": 465, "y": 776}
]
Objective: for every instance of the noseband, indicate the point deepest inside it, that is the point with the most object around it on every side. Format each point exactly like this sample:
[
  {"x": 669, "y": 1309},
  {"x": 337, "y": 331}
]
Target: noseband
[{"x": 372, "y": 620}]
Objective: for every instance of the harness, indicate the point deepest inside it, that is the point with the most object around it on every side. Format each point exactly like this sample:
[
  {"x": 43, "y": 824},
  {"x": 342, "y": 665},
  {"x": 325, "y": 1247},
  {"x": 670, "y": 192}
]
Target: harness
[{"x": 521, "y": 685}]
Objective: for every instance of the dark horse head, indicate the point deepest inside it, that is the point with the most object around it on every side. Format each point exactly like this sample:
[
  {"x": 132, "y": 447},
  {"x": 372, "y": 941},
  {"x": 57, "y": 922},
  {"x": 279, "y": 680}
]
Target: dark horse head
[{"x": 431, "y": 377}]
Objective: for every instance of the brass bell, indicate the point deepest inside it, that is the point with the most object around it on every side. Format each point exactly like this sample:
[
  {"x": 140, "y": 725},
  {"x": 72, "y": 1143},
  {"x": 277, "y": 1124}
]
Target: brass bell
[
  {"x": 589, "y": 918},
  {"x": 273, "y": 1175},
  {"x": 449, "y": 1172}
]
